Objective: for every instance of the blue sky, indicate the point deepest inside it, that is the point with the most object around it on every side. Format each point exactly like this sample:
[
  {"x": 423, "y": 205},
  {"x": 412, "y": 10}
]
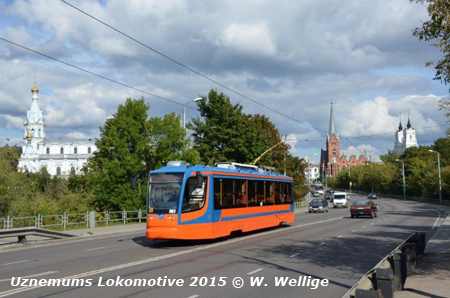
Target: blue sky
[{"x": 292, "y": 56}]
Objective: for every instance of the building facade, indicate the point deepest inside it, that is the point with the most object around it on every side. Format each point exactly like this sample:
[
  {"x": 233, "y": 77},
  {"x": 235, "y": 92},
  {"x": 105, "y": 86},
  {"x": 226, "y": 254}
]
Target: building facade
[
  {"x": 60, "y": 157},
  {"x": 331, "y": 160},
  {"x": 405, "y": 138}
]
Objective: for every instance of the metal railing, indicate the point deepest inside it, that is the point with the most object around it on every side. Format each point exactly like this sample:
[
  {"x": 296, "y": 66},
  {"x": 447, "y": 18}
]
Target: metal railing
[
  {"x": 390, "y": 274},
  {"x": 72, "y": 220},
  {"x": 407, "y": 198}
]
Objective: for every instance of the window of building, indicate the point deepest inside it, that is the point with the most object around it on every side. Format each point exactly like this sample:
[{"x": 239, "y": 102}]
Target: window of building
[
  {"x": 48, "y": 150},
  {"x": 89, "y": 150},
  {"x": 61, "y": 150},
  {"x": 75, "y": 150},
  {"x": 58, "y": 171}
]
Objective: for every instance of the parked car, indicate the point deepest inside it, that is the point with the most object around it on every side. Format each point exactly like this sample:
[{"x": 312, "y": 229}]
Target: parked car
[
  {"x": 318, "y": 205},
  {"x": 329, "y": 194},
  {"x": 340, "y": 199},
  {"x": 366, "y": 207},
  {"x": 372, "y": 196}
]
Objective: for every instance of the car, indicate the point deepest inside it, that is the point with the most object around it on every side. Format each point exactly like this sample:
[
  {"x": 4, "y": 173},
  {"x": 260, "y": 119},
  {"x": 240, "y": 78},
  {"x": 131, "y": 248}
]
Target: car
[
  {"x": 340, "y": 199},
  {"x": 328, "y": 194},
  {"x": 366, "y": 207},
  {"x": 315, "y": 193},
  {"x": 318, "y": 205},
  {"x": 372, "y": 196}
]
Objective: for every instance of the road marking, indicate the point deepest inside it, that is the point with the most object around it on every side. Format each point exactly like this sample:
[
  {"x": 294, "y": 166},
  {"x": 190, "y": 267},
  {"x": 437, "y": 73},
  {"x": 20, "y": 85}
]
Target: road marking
[
  {"x": 294, "y": 255},
  {"x": 163, "y": 257},
  {"x": 194, "y": 296},
  {"x": 34, "y": 275},
  {"x": 353, "y": 231},
  {"x": 254, "y": 271},
  {"x": 372, "y": 224},
  {"x": 379, "y": 221},
  {"x": 97, "y": 248},
  {"x": 364, "y": 227},
  {"x": 322, "y": 243},
  {"x": 340, "y": 236},
  {"x": 23, "y": 261},
  {"x": 435, "y": 223}
]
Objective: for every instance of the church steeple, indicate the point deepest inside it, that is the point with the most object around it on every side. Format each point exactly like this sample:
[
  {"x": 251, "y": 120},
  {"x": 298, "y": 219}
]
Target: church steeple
[
  {"x": 34, "y": 122},
  {"x": 332, "y": 125},
  {"x": 400, "y": 127},
  {"x": 408, "y": 126}
]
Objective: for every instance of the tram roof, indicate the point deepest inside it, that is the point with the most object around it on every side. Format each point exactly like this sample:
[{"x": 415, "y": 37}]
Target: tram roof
[{"x": 236, "y": 168}]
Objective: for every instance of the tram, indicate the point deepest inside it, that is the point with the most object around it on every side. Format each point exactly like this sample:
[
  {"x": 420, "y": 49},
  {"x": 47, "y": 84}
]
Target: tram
[{"x": 207, "y": 202}]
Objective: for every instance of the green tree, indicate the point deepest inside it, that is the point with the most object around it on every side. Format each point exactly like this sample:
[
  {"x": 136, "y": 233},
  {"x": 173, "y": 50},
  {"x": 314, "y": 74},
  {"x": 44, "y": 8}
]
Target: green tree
[
  {"x": 123, "y": 151},
  {"x": 169, "y": 142},
  {"x": 295, "y": 167},
  {"x": 437, "y": 31}
]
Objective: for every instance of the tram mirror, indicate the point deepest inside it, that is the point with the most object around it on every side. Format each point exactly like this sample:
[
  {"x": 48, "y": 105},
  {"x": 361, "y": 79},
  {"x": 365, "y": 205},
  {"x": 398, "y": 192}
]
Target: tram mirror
[{"x": 199, "y": 180}]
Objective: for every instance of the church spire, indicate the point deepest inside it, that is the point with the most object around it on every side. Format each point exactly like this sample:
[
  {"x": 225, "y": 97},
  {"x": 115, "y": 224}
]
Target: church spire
[
  {"x": 332, "y": 126},
  {"x": 400, "y": 127},
  {"x": 408, "y": 126}
]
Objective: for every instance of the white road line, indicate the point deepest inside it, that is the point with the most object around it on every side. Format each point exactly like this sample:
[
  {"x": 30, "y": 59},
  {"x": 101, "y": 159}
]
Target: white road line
[
  {"x": 353, "y": 231},
  {"x": 23, "y": 261},
  {"x": 322, "y": 243},
  {"x": 254, "y": 271},
  {"x": 364, "y": 227},
  {"x": 97, "y": 248},
  {"x": 163, "y": 257},
  {"x": 294, "y": 255},
  {"x": 372, "y": 224},
  {"x": 340, "y": 236},
  {"x": 34, "y": 275},
  {"x": 194, "y": 296},
  {"x": 435, "y": 223}
]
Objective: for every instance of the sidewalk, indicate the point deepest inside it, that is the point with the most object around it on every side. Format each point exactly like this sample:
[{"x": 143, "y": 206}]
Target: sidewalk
[
  {"x": 103, "y": 231},
  {"x": 431, "y": 276}
]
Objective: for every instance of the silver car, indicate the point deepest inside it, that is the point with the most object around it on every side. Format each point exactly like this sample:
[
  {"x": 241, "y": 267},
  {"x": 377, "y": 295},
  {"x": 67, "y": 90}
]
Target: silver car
[{"x": 318, "y": 205}]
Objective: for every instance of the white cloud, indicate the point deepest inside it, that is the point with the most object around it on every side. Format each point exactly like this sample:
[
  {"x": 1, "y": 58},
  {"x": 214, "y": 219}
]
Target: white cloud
[{"x": 248, "y": 39}]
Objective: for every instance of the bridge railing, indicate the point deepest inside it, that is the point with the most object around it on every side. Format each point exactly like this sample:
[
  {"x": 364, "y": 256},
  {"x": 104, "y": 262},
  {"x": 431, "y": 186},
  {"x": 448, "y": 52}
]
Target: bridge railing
[
  {"x": 71, "y": 221},
  {"x": 390, "y": 274}
]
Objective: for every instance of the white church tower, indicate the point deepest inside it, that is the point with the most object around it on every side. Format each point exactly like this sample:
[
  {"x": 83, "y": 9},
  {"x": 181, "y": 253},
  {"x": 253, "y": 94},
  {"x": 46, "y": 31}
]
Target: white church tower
[
  {"x": 405, "y": 138},
  {"x": 60, "y": 157}
]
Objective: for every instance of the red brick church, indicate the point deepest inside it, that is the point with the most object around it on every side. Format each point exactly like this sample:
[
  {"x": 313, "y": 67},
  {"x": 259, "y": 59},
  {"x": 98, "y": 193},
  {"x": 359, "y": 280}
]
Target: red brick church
[{"x": 331, "y": 162}]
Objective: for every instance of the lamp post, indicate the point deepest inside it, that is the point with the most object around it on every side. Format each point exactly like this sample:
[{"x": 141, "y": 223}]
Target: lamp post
[
  {"x": 439, "y": 175},
  {"x": 184, "y": 110},
  {"x": 403, "y": 174}
]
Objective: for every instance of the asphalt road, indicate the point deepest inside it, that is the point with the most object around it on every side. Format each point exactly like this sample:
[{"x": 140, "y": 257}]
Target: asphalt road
[{"x": 317, "y": 248}]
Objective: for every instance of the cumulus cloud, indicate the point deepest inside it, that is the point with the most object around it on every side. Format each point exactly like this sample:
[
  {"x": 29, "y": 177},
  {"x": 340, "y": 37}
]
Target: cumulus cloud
[{"x": 369, "y": 65}]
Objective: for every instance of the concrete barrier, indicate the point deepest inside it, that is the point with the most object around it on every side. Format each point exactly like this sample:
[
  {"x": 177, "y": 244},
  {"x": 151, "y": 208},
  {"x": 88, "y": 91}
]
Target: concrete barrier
[{"x": 390, "y": 274}]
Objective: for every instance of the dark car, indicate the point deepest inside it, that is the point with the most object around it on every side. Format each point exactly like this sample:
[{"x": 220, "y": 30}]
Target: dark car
[
  {"x": 372, "y": 196},
  {"x": 367, "y": 207},
  {"x": 318, "y": 205},
  {"x": 329, "y": 194}
]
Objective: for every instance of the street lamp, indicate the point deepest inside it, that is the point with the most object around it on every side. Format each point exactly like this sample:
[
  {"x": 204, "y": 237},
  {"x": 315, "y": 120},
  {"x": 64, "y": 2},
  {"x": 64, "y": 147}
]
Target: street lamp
[
  {"x": 184, "y": 110},
  {"x": 439, "y": 175},
  {"x": 403, "y": 174}
]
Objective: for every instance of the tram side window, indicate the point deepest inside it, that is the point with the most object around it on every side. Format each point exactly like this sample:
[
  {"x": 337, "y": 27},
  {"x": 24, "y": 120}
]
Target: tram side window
[
  {"x": 270, "y": 193},
  {"x": 228, "y": 195},
  {"x": 289, "y": 196},
  {"x": 279, "y": 198},
  {"x": 194, "y": 197},
  {"x": 260, "y": 187},
  {"x": 240, "y": 190},
  {"x": 217, "y": 193},
  {"x": 252, "y": 201}
]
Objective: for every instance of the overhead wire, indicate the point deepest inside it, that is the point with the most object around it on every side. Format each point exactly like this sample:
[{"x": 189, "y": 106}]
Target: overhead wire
[{"x": 189, "y": 68}]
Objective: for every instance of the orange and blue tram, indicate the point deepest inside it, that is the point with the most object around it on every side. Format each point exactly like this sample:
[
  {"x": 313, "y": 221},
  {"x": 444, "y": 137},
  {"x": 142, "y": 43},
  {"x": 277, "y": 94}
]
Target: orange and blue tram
[{"x": 205, "y": 202}]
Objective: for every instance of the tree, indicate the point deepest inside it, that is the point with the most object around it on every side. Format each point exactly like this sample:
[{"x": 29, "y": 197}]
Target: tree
[
  {"x": 437, "y": 30},
  {"x": 169, "y": 142},
  {"x": 123, "y": 151},
  {"x": 225, "y": 133}
]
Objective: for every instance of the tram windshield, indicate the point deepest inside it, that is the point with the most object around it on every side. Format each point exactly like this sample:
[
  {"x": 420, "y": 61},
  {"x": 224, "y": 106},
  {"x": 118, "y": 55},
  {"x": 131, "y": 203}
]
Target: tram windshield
[{"x": 164, "y": 192}]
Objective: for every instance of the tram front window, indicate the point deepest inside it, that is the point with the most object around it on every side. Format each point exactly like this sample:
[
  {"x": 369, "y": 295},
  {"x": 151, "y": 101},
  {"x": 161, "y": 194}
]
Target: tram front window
[{"x": 164, "y": 193}]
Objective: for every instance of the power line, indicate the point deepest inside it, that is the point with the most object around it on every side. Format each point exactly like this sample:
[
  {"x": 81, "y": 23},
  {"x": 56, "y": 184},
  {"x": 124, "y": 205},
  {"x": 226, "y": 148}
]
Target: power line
[
  {"x": 187, "y": 67},
  {"x": 92, "y": 73}
]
